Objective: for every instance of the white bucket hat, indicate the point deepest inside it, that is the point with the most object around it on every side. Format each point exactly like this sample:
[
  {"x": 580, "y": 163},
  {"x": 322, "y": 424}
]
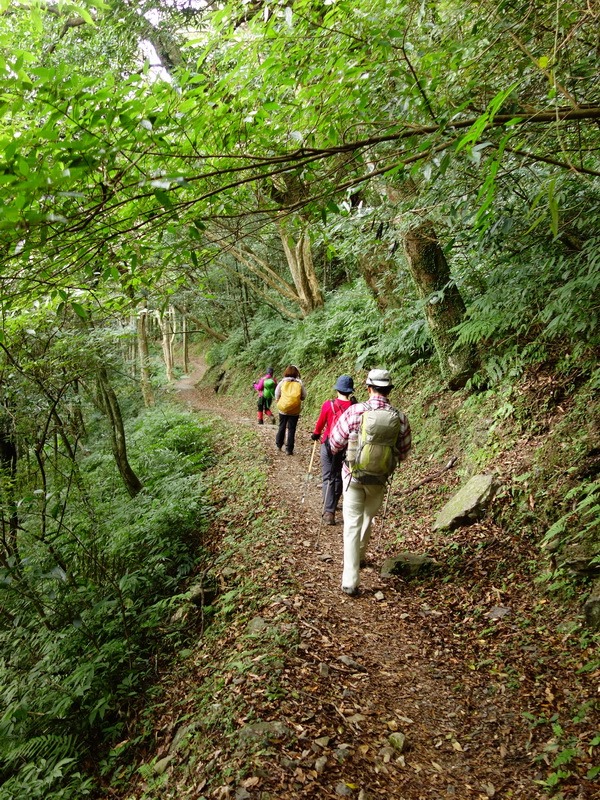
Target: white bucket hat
[{"x": 379, "y": 378}]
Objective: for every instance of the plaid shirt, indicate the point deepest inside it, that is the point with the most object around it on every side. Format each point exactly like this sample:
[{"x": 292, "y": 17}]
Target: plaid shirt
[{"x": 350, "y": 422}]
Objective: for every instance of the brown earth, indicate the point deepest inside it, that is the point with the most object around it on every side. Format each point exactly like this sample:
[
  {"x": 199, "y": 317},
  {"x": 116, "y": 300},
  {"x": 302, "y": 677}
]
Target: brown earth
[{"x": 475, "y": 696}]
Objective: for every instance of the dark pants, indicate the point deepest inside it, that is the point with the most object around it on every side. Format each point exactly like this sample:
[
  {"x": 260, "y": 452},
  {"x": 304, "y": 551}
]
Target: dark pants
[
  {"x": 264, "y": 403},
  {"x": 331, "y": 472},
  {"x": 289, "y": 422}
]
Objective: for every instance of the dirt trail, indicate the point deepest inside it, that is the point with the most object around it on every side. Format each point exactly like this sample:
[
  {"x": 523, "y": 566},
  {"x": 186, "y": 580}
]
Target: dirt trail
[{"x": 411, "y": 661}]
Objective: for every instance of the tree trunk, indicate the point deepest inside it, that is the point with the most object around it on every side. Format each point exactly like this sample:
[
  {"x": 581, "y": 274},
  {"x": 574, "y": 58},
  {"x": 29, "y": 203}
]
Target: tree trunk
[
  {"x": 117, "y": 434},
  {"x": 257, "y": 266},
  {"x": 172, "y": 316},
  {"x": 290, "y": 190},
  {"x": 185, "y": 340},
  {"x": 164, "y": 321},
  {"x": 8, "y": 474},
  {"x": 444, "y": 305},
  {"x": 75, "y": 413},
  {"x": 132, "y": 355},
  {"x": 144, "y": 356},
  {"x": 300, "y": 262},
  {"x": 220, "y": 337}
]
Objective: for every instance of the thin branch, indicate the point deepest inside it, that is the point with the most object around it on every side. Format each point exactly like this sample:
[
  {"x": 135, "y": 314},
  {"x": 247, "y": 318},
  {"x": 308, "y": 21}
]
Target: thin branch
[
  {"x": 555, "y": 162},
  {"x": 430, "y": 478},
  {"x": 550, "y": 76}
]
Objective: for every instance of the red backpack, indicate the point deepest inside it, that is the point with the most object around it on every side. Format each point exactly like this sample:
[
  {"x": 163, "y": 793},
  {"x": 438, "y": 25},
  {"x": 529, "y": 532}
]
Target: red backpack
[{"x": 337, "y": 411}]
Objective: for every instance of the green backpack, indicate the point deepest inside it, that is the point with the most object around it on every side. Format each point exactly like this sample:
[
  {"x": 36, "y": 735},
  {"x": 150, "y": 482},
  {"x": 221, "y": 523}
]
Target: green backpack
[
  {"x": 375, "y": 459},
  {"x": 269, "y": 388}
]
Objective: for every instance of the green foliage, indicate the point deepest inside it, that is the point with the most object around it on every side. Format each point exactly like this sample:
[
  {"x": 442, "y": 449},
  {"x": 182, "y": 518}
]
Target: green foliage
[
  {"x": 170, "y": 442},
  {"x": 46, "y": 779},
  {"x": 267, "y": 343},
  {"x": 88, "y": 612},
  {"x": 348, "y": 324},
  {"x": 349, "y": 329},
  {"x": 582, "y": 521},
  {"x": 563, "y": 755}
]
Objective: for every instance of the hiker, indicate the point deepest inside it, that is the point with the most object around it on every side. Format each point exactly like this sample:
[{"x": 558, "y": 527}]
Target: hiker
[
  {"x": 377, "y": 437},
  {"x": 265, "y": 387},
  {"x": 331, "y": 465},
  {"x": 289, "y": 395}
]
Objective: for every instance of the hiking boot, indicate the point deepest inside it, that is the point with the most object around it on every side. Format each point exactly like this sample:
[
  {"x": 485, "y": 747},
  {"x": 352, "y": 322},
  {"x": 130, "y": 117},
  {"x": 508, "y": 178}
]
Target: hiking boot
[
  {"x": 260, "y": 422},
  {"x": 287, "y": 452},
  {"x": 329, "y": 518},
  {"x": 351, "y": 591}
]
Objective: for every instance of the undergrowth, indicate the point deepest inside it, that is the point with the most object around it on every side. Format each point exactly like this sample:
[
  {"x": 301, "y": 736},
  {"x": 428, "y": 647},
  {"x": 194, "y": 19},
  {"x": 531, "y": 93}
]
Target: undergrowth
[
  {"x": 84, "y": 618},
  {"x": 238, "y": 655}
]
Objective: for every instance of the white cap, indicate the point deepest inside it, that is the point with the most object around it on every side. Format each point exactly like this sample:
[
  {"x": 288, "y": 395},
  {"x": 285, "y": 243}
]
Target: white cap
[{"x": 379, "y": 378}]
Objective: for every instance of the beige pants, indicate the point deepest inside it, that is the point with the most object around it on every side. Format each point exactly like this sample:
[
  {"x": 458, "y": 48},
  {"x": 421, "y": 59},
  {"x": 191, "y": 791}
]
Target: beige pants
[{"x": 361, "y": 503}]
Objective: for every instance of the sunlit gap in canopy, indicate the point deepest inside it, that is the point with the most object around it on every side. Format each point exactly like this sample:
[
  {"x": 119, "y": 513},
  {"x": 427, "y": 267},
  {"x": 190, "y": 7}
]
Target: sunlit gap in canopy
[{"x": 154, "y": 17}]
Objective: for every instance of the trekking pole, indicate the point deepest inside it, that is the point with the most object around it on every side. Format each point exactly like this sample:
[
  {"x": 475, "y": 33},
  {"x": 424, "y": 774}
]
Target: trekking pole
[
  {"x": 385, "y": 508},
  {"x": 312, "y": 458},
  {"x": 323, "y": 507},
  {"x": 387, "y": 500}
]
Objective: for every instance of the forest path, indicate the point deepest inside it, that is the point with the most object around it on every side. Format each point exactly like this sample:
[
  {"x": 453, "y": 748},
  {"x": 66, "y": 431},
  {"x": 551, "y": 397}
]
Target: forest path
[{"x": 412, "y": 658}]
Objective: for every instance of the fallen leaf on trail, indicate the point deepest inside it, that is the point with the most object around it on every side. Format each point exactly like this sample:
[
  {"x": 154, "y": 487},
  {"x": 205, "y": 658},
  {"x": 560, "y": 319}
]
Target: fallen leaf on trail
[
  {"x": 356, "y": 718},
  {"x": 350, "y": 662},
  {"x": 457, "y": 746},
  {"x": 497, "y": 612}
]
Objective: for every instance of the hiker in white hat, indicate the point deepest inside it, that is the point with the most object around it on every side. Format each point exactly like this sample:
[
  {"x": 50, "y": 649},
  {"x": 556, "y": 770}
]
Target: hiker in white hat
[{"x": 377, "y": 438}]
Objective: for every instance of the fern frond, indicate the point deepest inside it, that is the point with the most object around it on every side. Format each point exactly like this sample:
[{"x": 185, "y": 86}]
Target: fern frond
[{"x": 51, "y": 747}]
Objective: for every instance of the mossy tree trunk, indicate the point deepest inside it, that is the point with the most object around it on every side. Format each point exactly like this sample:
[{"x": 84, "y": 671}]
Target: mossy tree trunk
[
  {"x": 8, "y": 474},
  {"x": 444, "y": 306},
  {"x": 117, "y": 434}
]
